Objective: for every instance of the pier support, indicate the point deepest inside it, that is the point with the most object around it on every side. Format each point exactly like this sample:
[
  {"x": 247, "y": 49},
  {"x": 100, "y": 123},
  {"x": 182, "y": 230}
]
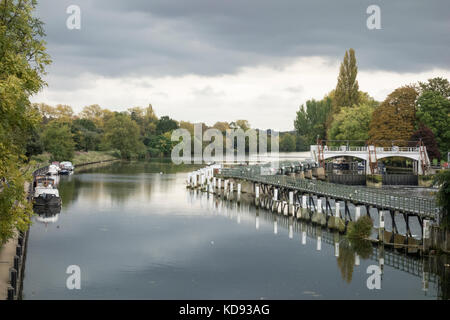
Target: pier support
[
  {"x": 336, "y": 222},
  {"x": 381, "y": 226}
]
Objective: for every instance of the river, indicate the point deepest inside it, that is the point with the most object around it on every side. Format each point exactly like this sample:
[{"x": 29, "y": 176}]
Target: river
[{"x": 136, "y": 232}]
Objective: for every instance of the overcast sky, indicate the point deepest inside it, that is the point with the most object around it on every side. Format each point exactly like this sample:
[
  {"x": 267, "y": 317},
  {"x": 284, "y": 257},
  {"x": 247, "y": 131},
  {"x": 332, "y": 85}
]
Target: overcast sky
[{"x": 222, "y": 60}]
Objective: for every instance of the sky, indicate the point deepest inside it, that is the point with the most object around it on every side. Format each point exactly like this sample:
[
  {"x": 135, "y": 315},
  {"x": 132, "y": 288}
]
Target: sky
[{"x": 223, "y": 60}]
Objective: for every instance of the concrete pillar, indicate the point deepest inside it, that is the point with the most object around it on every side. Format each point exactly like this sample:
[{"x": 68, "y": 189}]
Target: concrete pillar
[
  {"x": 319, "y": 205},
  {"x": 426, "y": 236},
  {"x": 275, "y": 194},
  {"x": 381, "y": 226},
  {"x": 219, "y": 185},
  {"x": 336, "y": 249},
  {"x": 304, "y": 201},
  {"x": 231, "y": 187},
  {"x": 239, "y": 188},
  {"x": 257, "y": 192},
  {"x": 357, "y": 213},
  {"x": 337, "y": 210},
  {"x": 291, "y": 209},
  {"x": 203, "y": 180}
]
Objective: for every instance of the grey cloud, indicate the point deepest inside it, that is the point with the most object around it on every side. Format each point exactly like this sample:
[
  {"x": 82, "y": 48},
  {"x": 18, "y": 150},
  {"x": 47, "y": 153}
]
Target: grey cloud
[{"x": 208, "y": 37}]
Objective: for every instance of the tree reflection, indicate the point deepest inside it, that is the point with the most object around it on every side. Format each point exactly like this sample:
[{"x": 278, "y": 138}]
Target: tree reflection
[{"x": 347, "y": 250}]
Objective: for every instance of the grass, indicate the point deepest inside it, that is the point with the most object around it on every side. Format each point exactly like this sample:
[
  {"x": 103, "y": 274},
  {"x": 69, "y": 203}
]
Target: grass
[
  {"x": 93, "y": 156},
  {"x": 80, "y": 157}
]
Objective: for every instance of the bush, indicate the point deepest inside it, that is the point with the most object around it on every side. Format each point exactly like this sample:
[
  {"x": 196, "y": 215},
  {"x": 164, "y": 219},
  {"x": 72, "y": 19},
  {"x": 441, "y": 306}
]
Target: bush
[
  {"x": 361, "y": 229},
  {"x": 374, "y": 178}
]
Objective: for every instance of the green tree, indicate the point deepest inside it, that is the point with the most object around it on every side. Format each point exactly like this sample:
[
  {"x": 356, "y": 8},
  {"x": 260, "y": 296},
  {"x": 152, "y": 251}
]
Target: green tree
[
  {"x": 395, "y": 118},
  {"x": 442, "y": 179},
  {"x": 287, "y": 142},
  {"x": 438, "y": 85},
  {"x": 22, "y": 64},
  {"x": 347, "y": 88},
  {"x": 433, "y": 110},
  {"x": 165, "y": 124},
  {"x": 85, "y": 134},
  {"x": 351, "y": 123},
  {"x": 122, "y": 133},
  {"x": 57, "y": 139},
  {"x": 310, "y": 122}
]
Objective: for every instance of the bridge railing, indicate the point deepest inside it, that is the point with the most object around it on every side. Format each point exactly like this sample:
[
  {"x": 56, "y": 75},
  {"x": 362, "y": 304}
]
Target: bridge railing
[
  {"x": 364, "y": 149},
  {"x": 424, "y": 207}
]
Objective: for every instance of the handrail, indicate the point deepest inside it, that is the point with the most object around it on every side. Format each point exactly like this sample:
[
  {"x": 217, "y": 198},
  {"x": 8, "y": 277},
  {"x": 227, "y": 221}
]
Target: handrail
[{"x": 421, "y": 206}]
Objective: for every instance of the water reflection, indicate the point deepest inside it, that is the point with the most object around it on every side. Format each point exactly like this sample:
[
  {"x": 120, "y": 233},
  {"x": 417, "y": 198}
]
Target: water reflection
[
  {"x": 140, "y": 234},
  {"x": 350, "y": 253},
  {"x": 47, "y": 214}
]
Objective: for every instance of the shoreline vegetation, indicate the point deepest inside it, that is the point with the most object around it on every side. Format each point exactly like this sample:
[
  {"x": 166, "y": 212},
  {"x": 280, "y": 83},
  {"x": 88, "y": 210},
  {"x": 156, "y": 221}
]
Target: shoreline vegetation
[{"x": 79, "y": 158}]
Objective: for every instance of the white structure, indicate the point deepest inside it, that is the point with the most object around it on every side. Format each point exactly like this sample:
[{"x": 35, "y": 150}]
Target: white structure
[{"x": 372, "y": 154}]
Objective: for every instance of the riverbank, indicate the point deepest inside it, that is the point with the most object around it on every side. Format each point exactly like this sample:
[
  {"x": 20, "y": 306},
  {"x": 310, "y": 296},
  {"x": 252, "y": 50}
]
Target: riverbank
[
  {"x": 12, "y": 261},
  {"x": 9, "y": 250},
  {"x": 80, "y": 157}
]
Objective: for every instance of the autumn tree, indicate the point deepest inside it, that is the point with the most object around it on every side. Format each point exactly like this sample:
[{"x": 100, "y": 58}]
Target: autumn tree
[
  {"x": 221, "y": 126},
  {"x": 94, "y": 113},
  {"x": 23, "y": 59},
  {"x": 395, "y": 118}
]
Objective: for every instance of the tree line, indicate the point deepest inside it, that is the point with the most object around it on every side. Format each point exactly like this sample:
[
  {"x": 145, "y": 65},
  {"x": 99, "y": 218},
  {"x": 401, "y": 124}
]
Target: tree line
[
  {"x": 410, "y": 113},
  {"x": 134, "y": 134}
]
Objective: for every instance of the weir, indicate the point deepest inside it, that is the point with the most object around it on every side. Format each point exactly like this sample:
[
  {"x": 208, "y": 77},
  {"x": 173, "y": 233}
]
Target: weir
[{"x": 330, "y": 205}]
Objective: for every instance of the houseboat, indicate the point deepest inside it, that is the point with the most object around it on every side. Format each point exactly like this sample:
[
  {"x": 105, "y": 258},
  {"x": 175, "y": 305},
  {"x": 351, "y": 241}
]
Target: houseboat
[{"x": 45, "y": 193}]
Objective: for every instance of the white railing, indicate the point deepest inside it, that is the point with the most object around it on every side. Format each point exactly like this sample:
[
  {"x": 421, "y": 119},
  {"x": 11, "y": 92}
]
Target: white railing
[{"x": 364, "y": 149}]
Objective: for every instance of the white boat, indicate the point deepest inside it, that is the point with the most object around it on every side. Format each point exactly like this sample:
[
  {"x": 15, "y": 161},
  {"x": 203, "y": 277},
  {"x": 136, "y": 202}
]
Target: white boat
[
  {"x": 45, "y": 193},
  {"x": 66, "y": 167},
  {"x": 53, "y": 170}
]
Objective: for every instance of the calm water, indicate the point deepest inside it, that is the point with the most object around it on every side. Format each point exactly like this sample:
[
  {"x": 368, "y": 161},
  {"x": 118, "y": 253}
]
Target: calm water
[{"x": 139, "y": 234}]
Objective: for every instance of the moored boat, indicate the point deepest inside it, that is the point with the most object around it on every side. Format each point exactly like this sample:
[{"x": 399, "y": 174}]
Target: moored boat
[
  {"x": 53, "y": 170},
  {"x": 45, "y": 193},
  {"x": 66, "y": 168}
]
